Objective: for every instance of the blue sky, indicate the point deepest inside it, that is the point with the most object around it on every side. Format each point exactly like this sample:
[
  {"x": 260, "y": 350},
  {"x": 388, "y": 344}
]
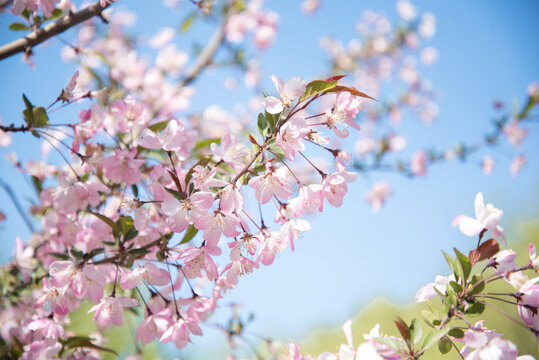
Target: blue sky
[{"x": 487, "y": 51}]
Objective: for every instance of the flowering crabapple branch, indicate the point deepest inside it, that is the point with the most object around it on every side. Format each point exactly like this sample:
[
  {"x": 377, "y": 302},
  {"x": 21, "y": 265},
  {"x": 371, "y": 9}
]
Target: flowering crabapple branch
[
  {"x": 454, "y": 299},
  {"x": 26, "y": 43}
]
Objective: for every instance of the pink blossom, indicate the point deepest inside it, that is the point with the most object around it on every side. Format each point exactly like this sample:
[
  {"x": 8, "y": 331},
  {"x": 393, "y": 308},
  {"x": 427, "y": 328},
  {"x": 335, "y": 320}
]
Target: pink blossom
[
  {"x": 290, "y": 137},
  {"x": 48, "y": 328},
  {"x": 62, "y": 301},
  {"x": 289, "y": 91},
  {"x": 310, "y": 6},
  {"x": 129, "y": 113},
  {"x": 86, "y": 281},
  {"x": 406, "y": 10},
  {"x": 155, "y": 323},
  {"x": 334, "y": 188},
  {"x": 5, "y": 137},
  {"x": 268, "y": 185},
  {"x": 504, "y": 262},
  {"x": 532, "y": 253},
  {"x": 216, "y": 223},
  {"x": 179, "y": 332},
  {"x": 529, "y": 303},
  {"x": 272, "y": 105},
  {"x": 175, "y": 137},
  {"x": 148, "y": 273},
  {"x": 233, "y": 153},
  {"x": 346, "y": 107},
  {"x": 429, "y": 291},
  {"x": 230, "y": 199},
  {"x": 515, "y": 134},
  {"x": 187, "y": 211},
  {"x": 486, "y": 217},
  {"x": 418, "y": 164},
  {"x": 123, "y": 165},
  {"x": 310, "y": 199},
  {"x": 378, "y": 194},
  {"x": 198, "y": 259},
  {"x": 110, "y": 310},
  {"x": 488, "y": 164},
  {"x": 517, "y": 163}
]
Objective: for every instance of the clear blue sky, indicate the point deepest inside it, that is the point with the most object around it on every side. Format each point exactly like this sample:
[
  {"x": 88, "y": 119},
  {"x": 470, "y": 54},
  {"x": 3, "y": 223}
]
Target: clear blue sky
[{"x": 487, "y": 50}]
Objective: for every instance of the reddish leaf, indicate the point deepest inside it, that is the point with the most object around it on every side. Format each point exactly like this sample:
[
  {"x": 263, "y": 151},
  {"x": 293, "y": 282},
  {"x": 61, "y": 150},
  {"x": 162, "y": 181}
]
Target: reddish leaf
[
  {"x": 403, "y": 329},
  {"x": 335, "y": 77},
  {"x": 252, "y": 140},
  {"x": 351, "y": 90},
  {"x": 485, "y": 251}
]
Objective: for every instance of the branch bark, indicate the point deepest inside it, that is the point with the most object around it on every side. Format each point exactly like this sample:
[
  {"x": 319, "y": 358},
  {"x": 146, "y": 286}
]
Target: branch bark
[
  {"x": 62, "y": 24},
  {"x": 206, "y": 56}
]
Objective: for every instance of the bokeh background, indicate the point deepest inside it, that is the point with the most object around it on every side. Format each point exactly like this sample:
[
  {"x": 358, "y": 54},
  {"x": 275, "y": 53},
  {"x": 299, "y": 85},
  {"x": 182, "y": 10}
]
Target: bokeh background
[{"x": 351, "y": 257}]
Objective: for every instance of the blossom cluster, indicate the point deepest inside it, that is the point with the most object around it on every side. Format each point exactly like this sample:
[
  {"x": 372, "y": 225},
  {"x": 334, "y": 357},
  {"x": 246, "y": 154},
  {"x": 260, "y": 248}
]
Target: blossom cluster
[{"x": 159, "y": 213}]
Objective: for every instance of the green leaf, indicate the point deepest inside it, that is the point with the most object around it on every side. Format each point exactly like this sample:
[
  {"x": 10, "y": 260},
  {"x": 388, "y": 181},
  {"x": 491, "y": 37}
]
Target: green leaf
[
  {"x": 18, "y": 26},
  {"x": 86, "y": 343},
  {"x": 125, "y": 224},
  {"x": 476, "y": 289},
  {"x": 206, "y": 143},
  {"x": 271, "y": 119},
  {"x": 444, "y": 345},
  {"x": 158, "y": 127},
  {"x": 475, "y": 309},
  {"x": 38, "y": 184},
  {"x": 134, "y": 188},
  {"x": 453, "y": 265},
  {"x": 55, "y": 14},
  {"x": 456, "y": 286},
  {"x": 40, "y": 116},
  {"x": 451, "y": 296},
  {"x": 316, "y": 87},
  {"x": 76, "y": 253},
  {"x": 189, "y": 234},
  {"x": 188, "y": 21},
  {"x": 175, "y": 193},
  {"x": 416, "y": 332},
  {"x": 106, "y": 220},
  {"x": 429, "y": 317},
  {"x": 131, "y": 234},
  {"x": 456, "y": 333},
  {"x": 138, "y": 253},
  {"x": 262, "y": 125},
  {"x": 464, "y": 264},
  {"x": 60, "y": 256},
  {"x": 433, "y": 337}
]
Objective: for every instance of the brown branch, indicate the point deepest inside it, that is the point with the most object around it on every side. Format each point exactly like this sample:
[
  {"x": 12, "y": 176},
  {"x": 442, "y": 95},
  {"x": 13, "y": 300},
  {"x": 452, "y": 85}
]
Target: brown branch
[
  {"x": 206, "y": 56},
  {"x": 13, "y": 128},
  {"x": 62, "y": 24}
]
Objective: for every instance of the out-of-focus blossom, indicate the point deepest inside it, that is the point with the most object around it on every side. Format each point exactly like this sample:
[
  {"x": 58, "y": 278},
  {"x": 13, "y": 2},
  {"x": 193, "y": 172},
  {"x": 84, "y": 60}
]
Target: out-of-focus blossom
[
  {"x": 406, "y": 10},
  {"x": 378, "y": 194},
  {"x": 488, "y": 164},
  {"x": 517, "y": 163},
  {"x": 310, "y": 6}
]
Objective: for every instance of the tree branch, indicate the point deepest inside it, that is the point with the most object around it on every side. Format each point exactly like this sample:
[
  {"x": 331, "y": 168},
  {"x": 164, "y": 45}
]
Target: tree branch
[
  {"x": 62, "y": 24},
  {"x": 207, "y": 53}
]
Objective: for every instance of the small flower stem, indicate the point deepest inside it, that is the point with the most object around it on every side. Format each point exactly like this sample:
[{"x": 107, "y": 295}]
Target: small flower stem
[
  {"x": 288, "y": 167},
  {"x": 172, "y": 290},
  {"x": 323, "y": 174},
  {"x": 505, "y": 314}
]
